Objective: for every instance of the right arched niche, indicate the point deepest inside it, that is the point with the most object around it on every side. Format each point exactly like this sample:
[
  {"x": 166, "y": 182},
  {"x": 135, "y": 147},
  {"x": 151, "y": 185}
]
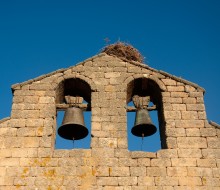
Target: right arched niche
[{"x": 146, "y": 87}]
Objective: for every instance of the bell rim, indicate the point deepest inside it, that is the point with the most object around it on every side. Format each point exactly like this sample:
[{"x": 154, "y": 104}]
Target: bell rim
[
  {"x": 67, "y": 129},
  {"x": 137, "y": 130}
]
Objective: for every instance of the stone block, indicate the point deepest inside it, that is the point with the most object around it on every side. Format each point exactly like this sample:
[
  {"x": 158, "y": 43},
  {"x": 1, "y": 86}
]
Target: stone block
[
  {"x": 172, "y": 100},
  {"x": 190, "y": 181},
  {"x": 26, "y": 132},
  {"x": 34, "y": 114},
  {"x": 156, "y": 171},
  {"x": 100, "y": 171},
  {"x": 41, "y": 86},
  {"x": 191, "y": 142},
  {"x": 209, "y": 163},
  {"x": 175, "y": 132},
  {"x": 193, "y": 132},
  {"x": 189, "y": 100},
  {"x": 189, "y": 115},
  {"x": 31, "y": 99},
  {"x": 143, "y": 161},
  {"x": 129, "y": 162},
  {"x": 140, "y": 154},
  {"x": 122, "y": 143},
  {"x": 190, "y": 123},
  {"x": 179, "y": 107},
  {"x": 105, "y": 181},
  {"x": 175, "y": 88},
  {"x": 176, "y": 171},
  {"x": 189, "y": 153},
  {"x": 44, "y": 152},
  {"x": 165, "y": 94},
  {"x": 7, "y": 162},
  {"x": 211, "y": 153},
  {"x": 200, "y": 100},
  {"x": 169, "y": 82},
  {"x": 82, "y": 153},
  {"x": 202, "y": 115},
  {"x": 196, "y": 94},
  {"x": 167, "y": 107},
  {"x": 46, "y": 100},
  {"x": 211, "y": 182},
  {"x": 122, "y": 153},
  {"x": 30, "y": 142},
  {"x": 146, "y": 181},
  {"x": 103, "y": 152},
  {"x": 127, "y": 181},
  {"x": 166, "y": 181},
  {"x": 19, "y": 152},
  {"x": 35, "y": 122},
  {"x": 171, "y": 142},
  {"x": 167, "y": 153},
  {"x": 216, "y": 172},
  {"x": 107, "y": 142},
  {"x": 5, "y": 153},
  {"x": 2, "y": 171},
  {"x": 213, "y": 142},
  {"x": 161, "y": 162},
  {"x": 183, "y": 162},
  {"x": 119, "y": 171},
  {"x": 18, "y": 99},
  {"x": 110, "y": 88},
  {"x": 47, "y": 111},
  {"x": 199, "y": 171},
  {"x": 195, "y": 107},
  {"x": 8, "y": 132},
  {"x": 138, "y": 171},
  {"x": 208, "y": 132},
  {"x": 189, "y": 88},
  {"x": 179, "y": 94},
  {"x": 12, "y": 142},
  {"x": 19, "y": 106},
  {"x": 46, "y": 142},
  {"x": 172, "y": 114},
  {"x": 116, "y": 80}
]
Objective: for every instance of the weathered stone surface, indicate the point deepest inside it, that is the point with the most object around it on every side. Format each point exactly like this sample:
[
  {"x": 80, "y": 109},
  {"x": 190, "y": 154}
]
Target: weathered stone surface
[
  {"x": 183, "y": 161},
  {"x": 176, "y": 171},
  {"x": 190, "y": 158},
  {"x": 189, "y": 153},
  {"x": 191, "y": 142},
  {"x": 190, "y": 123},
  {"x": 193, "y": 132},
  {"x": 156, "y": 171},
  {"x": 189, "y": 115}
]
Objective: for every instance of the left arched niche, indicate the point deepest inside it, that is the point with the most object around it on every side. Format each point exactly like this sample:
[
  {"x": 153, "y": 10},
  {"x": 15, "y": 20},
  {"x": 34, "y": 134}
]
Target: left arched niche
[{"x": 74, "y": 87}]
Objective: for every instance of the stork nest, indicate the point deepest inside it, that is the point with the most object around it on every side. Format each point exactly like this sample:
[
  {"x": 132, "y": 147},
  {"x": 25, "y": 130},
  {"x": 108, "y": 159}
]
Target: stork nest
[{"x": 124, "y": 50}]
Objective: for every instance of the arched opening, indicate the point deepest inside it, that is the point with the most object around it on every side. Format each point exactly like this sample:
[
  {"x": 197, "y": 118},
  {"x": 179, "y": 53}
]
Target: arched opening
[
  {"x": 73, "y": 93},
  {"x": 149, "y": 93}
]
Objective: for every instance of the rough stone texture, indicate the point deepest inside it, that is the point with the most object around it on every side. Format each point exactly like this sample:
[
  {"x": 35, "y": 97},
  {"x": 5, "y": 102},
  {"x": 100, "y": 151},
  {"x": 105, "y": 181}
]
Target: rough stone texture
[{"x": 29, "y": 161}]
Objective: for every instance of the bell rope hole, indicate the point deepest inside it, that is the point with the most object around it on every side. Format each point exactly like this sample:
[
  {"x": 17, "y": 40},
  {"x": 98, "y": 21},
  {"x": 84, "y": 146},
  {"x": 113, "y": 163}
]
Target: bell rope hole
[
  {"x": 73, "y": 129},
  {"x": 153, "y": 142}
]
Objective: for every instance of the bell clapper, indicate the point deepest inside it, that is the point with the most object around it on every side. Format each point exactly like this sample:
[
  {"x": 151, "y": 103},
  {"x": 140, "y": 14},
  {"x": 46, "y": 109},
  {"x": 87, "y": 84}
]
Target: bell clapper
[
  {"x": 73, "y": 142},
  {"x": 142, "y": 139}
]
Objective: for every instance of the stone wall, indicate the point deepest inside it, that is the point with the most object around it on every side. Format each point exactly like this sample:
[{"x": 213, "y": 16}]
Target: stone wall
[{"x": 28, "y": 159}]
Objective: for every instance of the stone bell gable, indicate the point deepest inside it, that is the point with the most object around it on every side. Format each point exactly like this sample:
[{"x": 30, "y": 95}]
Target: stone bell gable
[{"x": 190, "y": 154}]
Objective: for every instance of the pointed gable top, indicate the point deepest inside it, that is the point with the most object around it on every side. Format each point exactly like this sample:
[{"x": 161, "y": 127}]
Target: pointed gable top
[{"x": 135, "y": 63}]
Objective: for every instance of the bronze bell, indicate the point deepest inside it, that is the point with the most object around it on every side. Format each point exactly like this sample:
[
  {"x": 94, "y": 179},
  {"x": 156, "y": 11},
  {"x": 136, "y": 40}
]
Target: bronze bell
[
  {"x": 73, "y": 126},
  {"x": 143, "y": 126}
]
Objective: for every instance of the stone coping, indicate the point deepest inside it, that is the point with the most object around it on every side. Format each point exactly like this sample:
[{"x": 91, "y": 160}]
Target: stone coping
[{"x": 179, "y": 79}]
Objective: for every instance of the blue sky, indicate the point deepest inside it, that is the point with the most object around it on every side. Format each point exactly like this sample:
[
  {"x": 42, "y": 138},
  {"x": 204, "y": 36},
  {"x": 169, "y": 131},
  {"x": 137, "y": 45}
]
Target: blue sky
[{"x": 180, "y": 37}]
